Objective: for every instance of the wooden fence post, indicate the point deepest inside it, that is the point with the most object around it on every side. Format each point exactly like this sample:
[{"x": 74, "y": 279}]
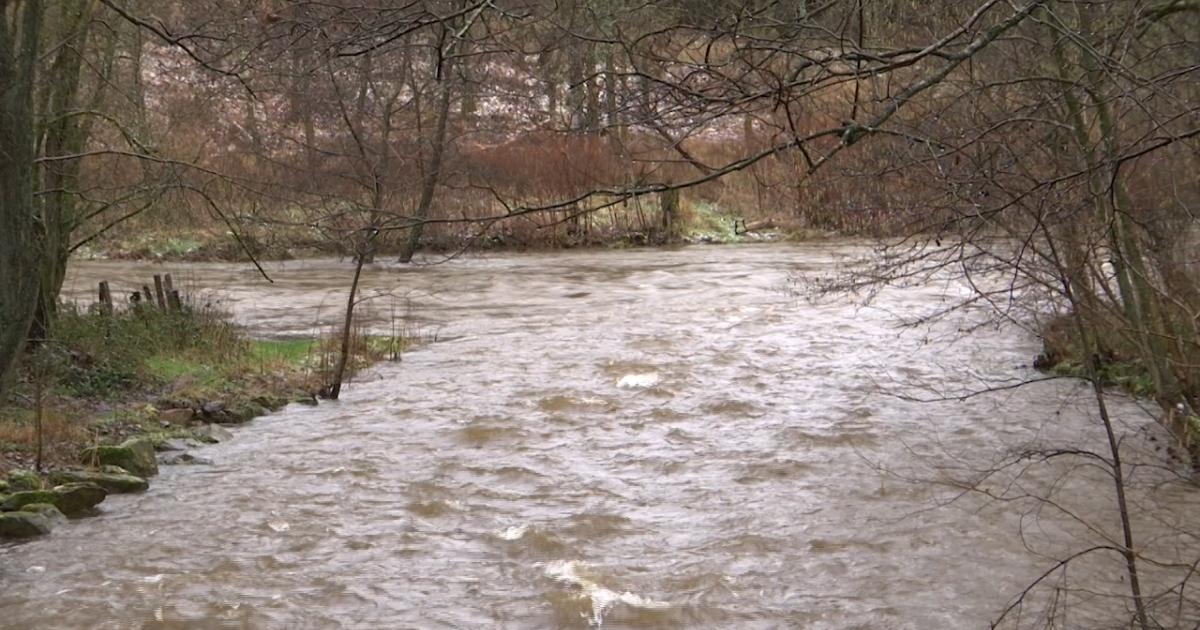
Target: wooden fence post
[
  {"x": 158, "y": 292},
  {"x": 106, "y": 303}
]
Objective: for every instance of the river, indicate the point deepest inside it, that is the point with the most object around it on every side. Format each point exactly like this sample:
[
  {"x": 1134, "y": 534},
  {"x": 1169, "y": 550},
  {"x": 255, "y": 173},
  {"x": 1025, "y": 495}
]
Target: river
[{"x": 620, "y": 439}]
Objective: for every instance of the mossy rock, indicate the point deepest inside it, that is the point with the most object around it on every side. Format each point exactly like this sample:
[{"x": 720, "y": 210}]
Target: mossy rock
[
  {"x": 270, "y": 402},
  {"x": 135, "y": 455},
  {"x": 211, "y": 433},
  {"x": 4, "y": 486},
  {"x": 240, "y": 412},
  {"x": 18, "y": 500},
  {"x": 78, "y": 498},
  {"x": 72, "y": 499},
  {"x": 247, "y": 410},
  {"x": 306, "y": 399},
  {"x": 20, "y": 479},
  {"x": 24, "y": 524},
  {"x": 52, "y": 513},
  {"x": 114, "y": 483}
]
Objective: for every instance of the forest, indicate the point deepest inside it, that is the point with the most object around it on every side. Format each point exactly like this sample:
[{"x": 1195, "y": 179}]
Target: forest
[{"x": 1043, "y": 153}]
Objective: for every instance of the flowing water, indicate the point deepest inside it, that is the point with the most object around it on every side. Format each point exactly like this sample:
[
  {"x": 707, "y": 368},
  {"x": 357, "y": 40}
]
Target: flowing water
[{"x": 635, "y": 439}]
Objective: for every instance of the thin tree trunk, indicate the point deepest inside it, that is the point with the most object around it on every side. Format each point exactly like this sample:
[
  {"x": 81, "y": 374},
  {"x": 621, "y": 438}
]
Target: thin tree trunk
[
  {"x": 334, "y": 388},
  {"x": 432, "y": 172},
  {"x": 1088, "y": 338},
  {"x": 1118, "y": 472}
]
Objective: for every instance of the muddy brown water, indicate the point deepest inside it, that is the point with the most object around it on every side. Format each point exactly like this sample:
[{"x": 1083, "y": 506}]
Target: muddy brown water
[{"x": 634, "y": 439}]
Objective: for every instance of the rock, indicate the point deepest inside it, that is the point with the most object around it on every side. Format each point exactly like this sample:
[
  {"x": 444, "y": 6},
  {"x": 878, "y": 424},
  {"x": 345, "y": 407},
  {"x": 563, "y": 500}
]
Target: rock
[
  {"x": 115, "y": 483},
  {"x": 19, "y": 479},
  {"x": 135, "y": 455},
  {"x": 18, "y": 500},
  {"x": 3, "y": 486},
  {"x": 270, "y": 402},
  {"x": 24, "y": 524},
  {"x": 175, "y": 459},
  {"x": 212, "y": 433},
  {"x": 176, "y": 417},
  {"x": 246, "y": 411},
  {"x": 52, "y": 514},
  {"x": 78, "y": 498},
  {"x": 177, "y": 444},
  {"x": 229, "y": 416},
  {"x": 219, "y": 412},
  {"x": 72, "y": 499},
  {"x": 306, "y": 399}
]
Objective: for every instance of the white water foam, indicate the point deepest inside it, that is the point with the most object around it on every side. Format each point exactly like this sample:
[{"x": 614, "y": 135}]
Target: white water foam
[{"x": 571, "y": 572}]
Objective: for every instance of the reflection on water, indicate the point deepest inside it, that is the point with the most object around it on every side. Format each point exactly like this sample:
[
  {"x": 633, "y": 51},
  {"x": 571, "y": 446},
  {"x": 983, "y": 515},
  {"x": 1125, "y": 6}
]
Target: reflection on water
[{"x": 646, "y": 439}]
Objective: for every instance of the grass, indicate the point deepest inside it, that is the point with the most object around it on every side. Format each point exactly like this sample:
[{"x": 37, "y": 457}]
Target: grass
[
  {"x": 295, "y": 351},
  {"x": 105, "y": 377},
  {"x": 175, "y": 248},
  {"x": 167, "y": 368},
  {"x": 714, "y": 222},
  {"x": 1062, "y": 354}
]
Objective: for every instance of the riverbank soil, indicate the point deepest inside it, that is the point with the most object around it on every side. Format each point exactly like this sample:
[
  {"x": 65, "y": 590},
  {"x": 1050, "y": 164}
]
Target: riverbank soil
[{"x": 105, "y": 379}]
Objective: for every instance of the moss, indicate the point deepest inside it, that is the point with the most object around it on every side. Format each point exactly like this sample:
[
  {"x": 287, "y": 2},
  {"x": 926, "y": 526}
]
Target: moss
[
  {"x": 24, "y": 524},
  {"x": 1130, "y": 376},
  {"x": 20, "y": 479},
  {"x": 111, "y": 482},
  {"x": 78, "y": 498},
  {"x": 19, "y": 500},
  {"x": 135, "y": 455},
  {"x": 244, "y": 410},
  {"x": 48, "y": 510},
  {"x": 270, "y": 402},
  {"x": 1063, "y": 354}
]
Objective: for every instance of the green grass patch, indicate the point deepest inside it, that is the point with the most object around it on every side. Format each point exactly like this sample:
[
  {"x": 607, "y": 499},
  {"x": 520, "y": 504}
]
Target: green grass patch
[
  {"x": 290, "y": 351},
  {"x": 175, "y": 247},
  {"x": 165, "y": 369},
  {"x": 93, "y": 355},
  {"x": 712, "y": 221}
]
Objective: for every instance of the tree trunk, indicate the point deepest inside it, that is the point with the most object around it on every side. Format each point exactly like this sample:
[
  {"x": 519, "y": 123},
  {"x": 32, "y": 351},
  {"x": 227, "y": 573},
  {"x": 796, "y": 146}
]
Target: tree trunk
[
  {"x": 334, "y": 388},
  {"x": 20, "y": 23},
  {"x": 432, "y": 171},
  {"x": 668, "y": 202},
  {"x": 65, "y": 132}
]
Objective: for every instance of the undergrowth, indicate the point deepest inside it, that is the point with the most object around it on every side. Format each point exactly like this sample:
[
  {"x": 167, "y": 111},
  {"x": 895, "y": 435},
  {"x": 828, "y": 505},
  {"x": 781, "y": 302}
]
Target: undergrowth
[{"x": 103, "y": 377}]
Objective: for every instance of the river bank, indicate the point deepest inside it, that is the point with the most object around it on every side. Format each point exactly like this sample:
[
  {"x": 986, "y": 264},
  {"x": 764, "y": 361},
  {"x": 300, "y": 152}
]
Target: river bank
[
  {"x": 702, "y": 222},
  {"x": 113, "y": 395}
]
